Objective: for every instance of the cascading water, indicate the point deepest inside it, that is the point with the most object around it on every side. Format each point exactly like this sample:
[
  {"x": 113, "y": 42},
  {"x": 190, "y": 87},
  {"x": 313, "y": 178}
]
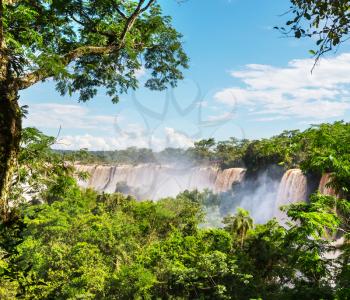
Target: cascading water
[
  {"x": 258, "y": 197},
  {"x": 227, "y": 178},
  {"x": 149, "y": 181},
  {"x": 263, "y": 198},
  {"x": 293, "y": 188}
]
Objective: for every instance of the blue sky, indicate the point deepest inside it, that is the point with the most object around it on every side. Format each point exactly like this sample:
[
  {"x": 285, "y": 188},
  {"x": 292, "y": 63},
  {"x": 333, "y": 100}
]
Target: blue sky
[{"x": 245, "y": 80}]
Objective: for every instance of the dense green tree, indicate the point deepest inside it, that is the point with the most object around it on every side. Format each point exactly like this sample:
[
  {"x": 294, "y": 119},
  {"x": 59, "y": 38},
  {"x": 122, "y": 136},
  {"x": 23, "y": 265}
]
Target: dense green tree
[
  {"x": 326, "y": 151},
  {"x": 82, "y": 45},
  {"x": 94, "y": 246},
  {"x": 203, "y": 150},
  {"x": 41, "y": 174},
  {"x": 77, "y": 247},
  {"x": 230, "y": 153}
]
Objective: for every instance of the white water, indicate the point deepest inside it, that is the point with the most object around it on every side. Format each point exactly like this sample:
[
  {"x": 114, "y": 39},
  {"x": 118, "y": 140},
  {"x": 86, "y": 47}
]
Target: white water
[
  {"x": 292, "y": 189},
  {"x": 261, "y": 201},
  {"x": 151, "y": 181}
]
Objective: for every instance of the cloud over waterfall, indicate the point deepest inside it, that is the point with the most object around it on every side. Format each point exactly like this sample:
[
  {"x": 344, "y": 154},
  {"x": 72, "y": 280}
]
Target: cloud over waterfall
[{"x": 132, "y": 136}]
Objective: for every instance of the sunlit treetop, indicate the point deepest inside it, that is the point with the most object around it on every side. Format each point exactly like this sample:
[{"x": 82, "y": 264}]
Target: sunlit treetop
[{"x": 84, "y": 45}]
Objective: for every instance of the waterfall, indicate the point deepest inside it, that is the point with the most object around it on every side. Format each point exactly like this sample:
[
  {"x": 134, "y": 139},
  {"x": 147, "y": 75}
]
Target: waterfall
[
  {"x": 323, "y": 188},
  {"x": 262, "y": 196},
  {"x": 293, "y": 188},
  {"x": 226, "y": 178},
  {"x": 153, "y": 181},
  {"x": 259, "y": 197},
  {"x": 148, "y": 181}
]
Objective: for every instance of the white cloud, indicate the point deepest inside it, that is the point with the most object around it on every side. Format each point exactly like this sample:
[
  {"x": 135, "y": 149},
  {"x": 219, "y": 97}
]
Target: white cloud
[
  {"x": 54, "y": 115},
  {"x": 222, "y": 117},
  {"x": 177, "y": 139},
  {"x": 292, "y": 91},
  {"x": 85, "y": 141},
  {"x": 133, "y": 136}
]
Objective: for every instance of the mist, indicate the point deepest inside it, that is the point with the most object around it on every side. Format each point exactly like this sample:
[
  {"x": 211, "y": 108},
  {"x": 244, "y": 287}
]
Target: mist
[{"x": 261, "y": 194}]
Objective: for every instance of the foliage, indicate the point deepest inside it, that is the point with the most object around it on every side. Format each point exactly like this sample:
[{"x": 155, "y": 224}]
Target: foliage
[
  {"x": 327, "y": 151},
  {"x": 328, "y": 22},
  {"x": 41, "y": 173},
  {"x": 203, "y": 150},
  {"x": 239, "y": 224},
  {"x": 90, "y": 246},
  {"x": 230, "y": 153},
  {"x": 105, "y": 39},
  {"x": 72, "y": 248},
  {"x": 78, "y": 244}
]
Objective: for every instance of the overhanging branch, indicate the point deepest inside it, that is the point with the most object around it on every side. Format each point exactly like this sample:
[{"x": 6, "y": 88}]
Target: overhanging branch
[{"x": 42, "y": 74}]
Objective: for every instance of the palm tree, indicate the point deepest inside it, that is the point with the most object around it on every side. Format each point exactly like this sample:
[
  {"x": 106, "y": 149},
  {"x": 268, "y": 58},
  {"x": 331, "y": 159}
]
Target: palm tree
[{"x": 239, "y": 224}]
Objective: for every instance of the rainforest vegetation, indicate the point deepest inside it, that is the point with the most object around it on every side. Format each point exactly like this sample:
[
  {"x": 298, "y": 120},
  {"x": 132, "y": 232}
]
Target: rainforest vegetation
[
  {"x": 58, "y": 241},
  {"x": 62, "y": 242}
]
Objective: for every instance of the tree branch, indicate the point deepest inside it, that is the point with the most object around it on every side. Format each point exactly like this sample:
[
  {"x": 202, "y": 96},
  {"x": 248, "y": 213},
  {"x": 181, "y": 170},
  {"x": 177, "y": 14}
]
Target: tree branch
[
  {"x": 93, "y": 26},
  {"x": 131, "y": 20},
  {"x": 148, "y": 5},
  {"x": 119, "y": 11},
  {"x": 76, "y": 20},
  {"x": 42, "y": 74}
]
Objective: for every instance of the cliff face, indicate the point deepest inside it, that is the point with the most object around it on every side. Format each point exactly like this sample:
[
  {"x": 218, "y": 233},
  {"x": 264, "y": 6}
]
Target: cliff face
[
  {"x": 226, "y": 178},
  {"x": 324, "y": 188}
]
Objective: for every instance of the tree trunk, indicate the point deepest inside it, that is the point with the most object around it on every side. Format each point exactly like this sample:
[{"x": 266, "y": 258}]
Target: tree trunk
[
  {"x": 10, "y": 122},
  {"x": 10, "y": 136}
]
